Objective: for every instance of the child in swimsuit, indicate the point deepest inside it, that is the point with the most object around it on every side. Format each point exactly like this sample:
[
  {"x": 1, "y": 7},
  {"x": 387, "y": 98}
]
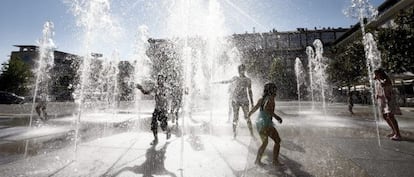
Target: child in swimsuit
[{"x": 264, "y": 123}]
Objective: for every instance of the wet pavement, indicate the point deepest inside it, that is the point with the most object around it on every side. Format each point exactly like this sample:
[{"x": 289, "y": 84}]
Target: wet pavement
[{"x": 313, "y": 144}]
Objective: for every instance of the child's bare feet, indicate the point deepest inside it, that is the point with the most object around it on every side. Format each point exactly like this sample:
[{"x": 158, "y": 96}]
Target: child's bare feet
[
  {"x": 168, "y": 134},
  {"x": 396, "y": 138},
  {"x": 390, "y": 135},
  {"x": 278, "y": 164},
  {"x": 154, "y": 142},
  {"x": 258, "y": 163}
]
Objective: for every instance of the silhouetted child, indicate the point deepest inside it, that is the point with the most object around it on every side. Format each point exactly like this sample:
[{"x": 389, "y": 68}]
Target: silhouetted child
[
  {"x": 153, "y": 165},
  {"x": 176, "y": 92},
  {"x": 387, "y": 102},
  {"x": 41, "y": 107},
  {"x": 161, "y": 107},
  {"x": 241, "y": 87},
  {"x": 264, "y": 123},
  {"x": 350, "y": 103}
]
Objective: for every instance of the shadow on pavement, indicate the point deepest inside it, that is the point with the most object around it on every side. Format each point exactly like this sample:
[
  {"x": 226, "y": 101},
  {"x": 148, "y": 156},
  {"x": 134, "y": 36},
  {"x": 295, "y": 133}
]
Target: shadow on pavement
[
  {"x": 407, "y": 139},
  {"x": 153, "y": 164},
  {"x": 290, "y": 168},
  {"x": 290, "y": 145},
  {"x": 294, "y": 167}
]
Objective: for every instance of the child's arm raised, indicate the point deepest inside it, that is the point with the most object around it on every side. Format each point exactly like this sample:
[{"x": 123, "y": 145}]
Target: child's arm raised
[
  {"x": 142, "y": 89},
  {"x": 225, "y": 81}
]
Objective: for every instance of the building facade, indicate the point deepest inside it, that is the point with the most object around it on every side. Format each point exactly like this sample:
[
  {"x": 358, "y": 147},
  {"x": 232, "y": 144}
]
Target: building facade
[
  {"x": 257, "y": 50},
  {"x": 63, "y": 74}
]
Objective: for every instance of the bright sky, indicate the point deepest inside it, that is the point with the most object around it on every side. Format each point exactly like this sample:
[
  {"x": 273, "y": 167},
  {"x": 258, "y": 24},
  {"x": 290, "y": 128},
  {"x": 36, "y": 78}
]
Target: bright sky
[{"x": 22, "y": 20}]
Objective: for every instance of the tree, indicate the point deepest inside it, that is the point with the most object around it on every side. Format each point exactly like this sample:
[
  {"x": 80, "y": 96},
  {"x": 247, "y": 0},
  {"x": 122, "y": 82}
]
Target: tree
[
  {"x": 396, "y": 43},
  {"x": 348, "y": 67},
  {"x": 15, "y": 76},
  {"x": 283, "y": 78}
]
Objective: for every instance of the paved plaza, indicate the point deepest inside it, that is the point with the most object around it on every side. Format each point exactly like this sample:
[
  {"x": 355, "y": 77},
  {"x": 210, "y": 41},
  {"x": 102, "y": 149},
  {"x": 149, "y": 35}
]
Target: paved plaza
[
  {"x": 85, "y": 84},
  {"x": 314, "y": 143}
]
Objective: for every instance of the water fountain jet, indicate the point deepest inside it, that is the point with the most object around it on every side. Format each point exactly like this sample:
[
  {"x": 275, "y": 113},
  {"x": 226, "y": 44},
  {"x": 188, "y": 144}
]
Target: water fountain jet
[
  {"x": 300, "y": 79},
  {"x": 362, "y": 9}
]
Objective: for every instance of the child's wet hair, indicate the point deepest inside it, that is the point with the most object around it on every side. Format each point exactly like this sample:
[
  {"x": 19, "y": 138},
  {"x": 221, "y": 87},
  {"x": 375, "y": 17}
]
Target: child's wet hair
[
  {"x": 161, "y": 76},
  {"x": 380, "y": 72},
  {"x": 242, "y": 67},
  {"x": 269, "y": 89}
]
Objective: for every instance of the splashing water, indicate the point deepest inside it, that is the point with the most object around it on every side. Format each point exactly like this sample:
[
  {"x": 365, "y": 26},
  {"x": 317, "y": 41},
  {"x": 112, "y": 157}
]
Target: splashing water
[
  {"x": 317, "y": 73},
  {"x": 373, "y": 62},
  {"x": 320, "y": 70},
  {"x": 141, "y": 63},
  {"x": 112, "y": 83},
  {"x": 200, "y": 43},
  {"x": 44, "y": 63},
  {"x": 199, "y": 40},
  {"x": 311, "y": 55},
  {"x": 140, "y": 59},
  {"x": 94, "y": 19},
  {"x": 362, "y": 9},
  {"x": 300, "y": 78}
]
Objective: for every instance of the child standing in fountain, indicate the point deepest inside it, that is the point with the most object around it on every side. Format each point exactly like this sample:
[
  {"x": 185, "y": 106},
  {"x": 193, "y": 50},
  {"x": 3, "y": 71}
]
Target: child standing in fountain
[
  {"x": 176, "y": 92},
  {"x": 350, "y": 103},
  {"x": 387, "y": 102},
  {"x": 41, "y": 107},
  {"x": 265, "y": 125},
  {"x": 161, "y": 107},
  {"x": 241, "y": 87}
]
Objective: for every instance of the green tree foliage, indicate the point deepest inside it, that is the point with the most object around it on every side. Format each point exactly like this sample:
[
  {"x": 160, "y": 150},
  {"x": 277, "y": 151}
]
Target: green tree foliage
[
  {"x": 348, "y": 67},
  {"x": 283, "y": 78},
  {"x": 396, "y": 43},
  {"x": 277, "y": 71},
  {"x": 15, "y": 76}
]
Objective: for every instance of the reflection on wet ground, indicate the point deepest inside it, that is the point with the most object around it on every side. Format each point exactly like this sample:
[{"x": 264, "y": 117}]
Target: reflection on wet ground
[{"x": 313, "y": 144}]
